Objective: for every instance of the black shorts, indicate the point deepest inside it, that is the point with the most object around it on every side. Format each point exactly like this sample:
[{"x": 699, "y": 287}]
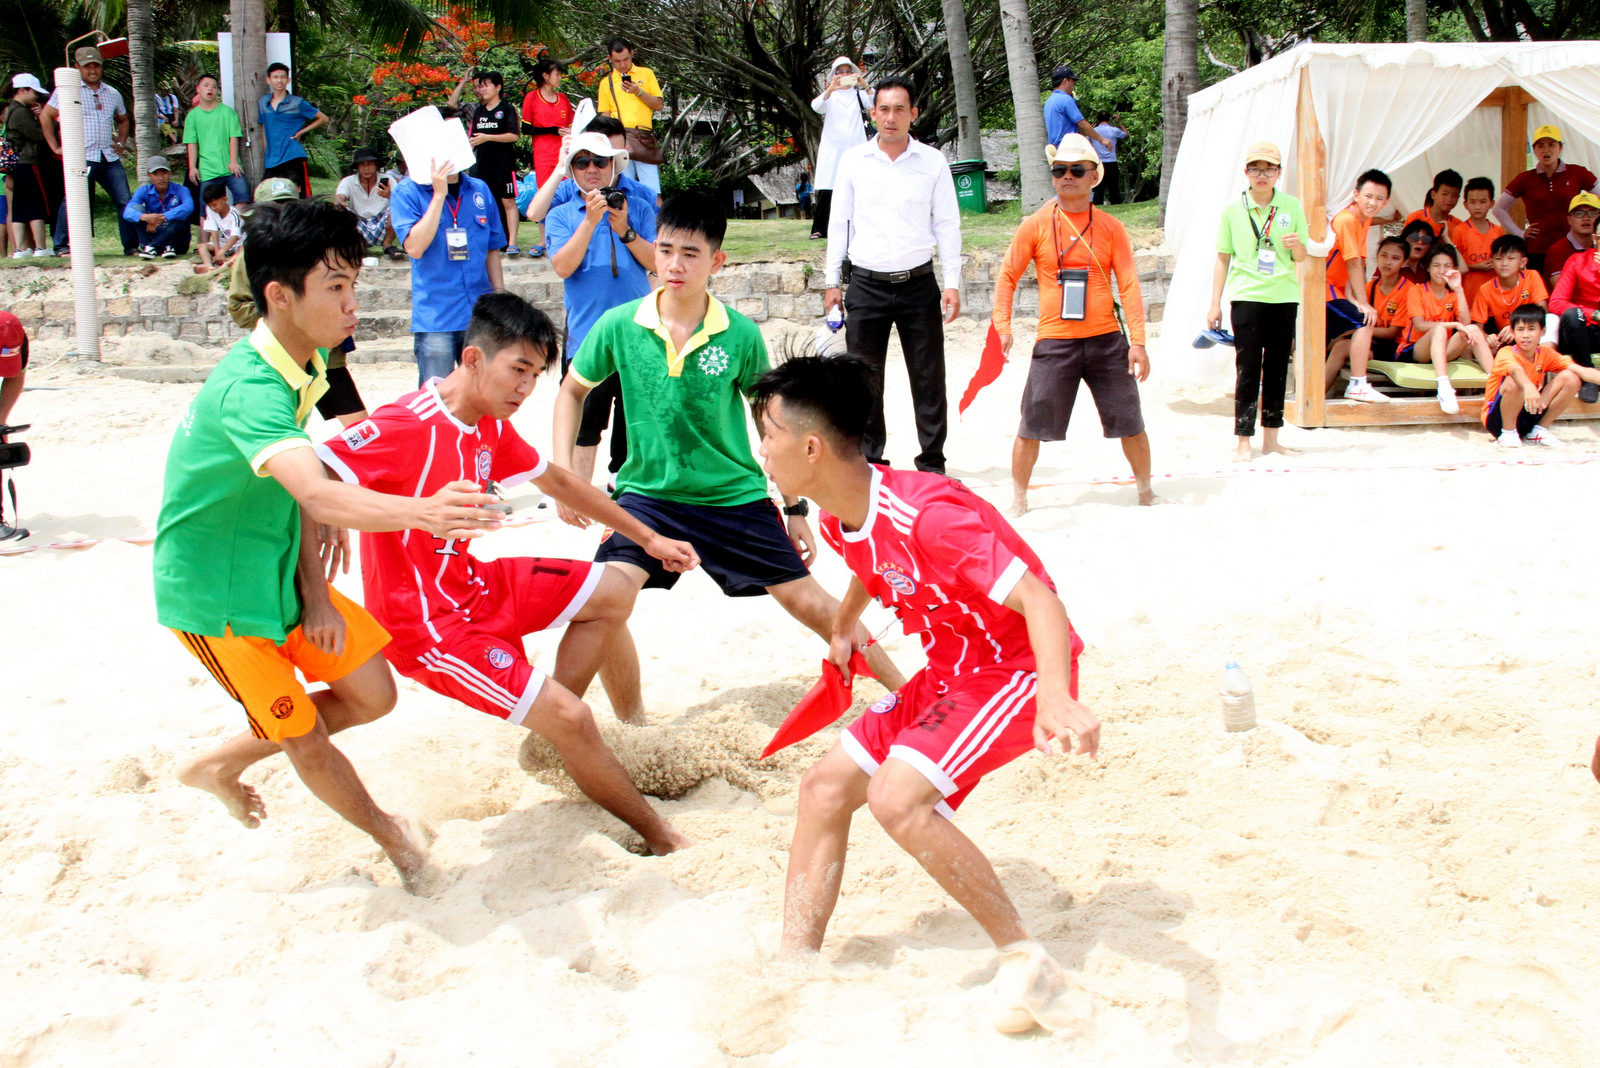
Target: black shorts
[
  {"x": 503, "y": 184},
  {"x": 743, "y": 547},
  {"x": 1058, "y": 365},
  {"x": 1386, "y": 348},
  {"x": 342, "y": 397},
  {"x": 1526, "y": 420},
  {"x": 296, "y": 170}
]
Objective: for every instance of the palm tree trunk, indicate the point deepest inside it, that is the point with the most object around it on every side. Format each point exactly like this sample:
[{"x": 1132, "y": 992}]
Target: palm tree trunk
[
  {"x": 1416, "y": 20},
  {"x": 248, "y": 21},
  {"x": 142, "y": 61},
  {"x": 1024, "y": 69},
  {"x": 1180, "y": 76},
  {"x": 969, "y": 142}
]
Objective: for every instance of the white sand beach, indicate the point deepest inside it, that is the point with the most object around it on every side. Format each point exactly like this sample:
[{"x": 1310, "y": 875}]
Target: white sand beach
[{"x": 1400, "y": 866}]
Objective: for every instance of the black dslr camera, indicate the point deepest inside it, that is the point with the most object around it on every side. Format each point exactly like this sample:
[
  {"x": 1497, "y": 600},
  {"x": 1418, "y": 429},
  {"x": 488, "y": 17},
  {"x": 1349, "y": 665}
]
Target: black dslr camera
[
  {"x": 12, "y": 454},
  {"x": 616, "y": 199}
]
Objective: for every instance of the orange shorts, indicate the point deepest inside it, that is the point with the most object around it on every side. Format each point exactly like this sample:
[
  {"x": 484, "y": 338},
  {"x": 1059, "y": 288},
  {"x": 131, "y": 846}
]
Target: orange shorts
[{"x": 259, "y": 673}]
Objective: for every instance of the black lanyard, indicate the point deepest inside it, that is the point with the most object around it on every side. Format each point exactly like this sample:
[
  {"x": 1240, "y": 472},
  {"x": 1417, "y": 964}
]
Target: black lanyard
[{"x": 1250, "y": 213}]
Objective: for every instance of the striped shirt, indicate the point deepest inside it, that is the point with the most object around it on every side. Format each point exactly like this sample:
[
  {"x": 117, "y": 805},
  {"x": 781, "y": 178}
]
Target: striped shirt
[{"x": 101, "y": 106}]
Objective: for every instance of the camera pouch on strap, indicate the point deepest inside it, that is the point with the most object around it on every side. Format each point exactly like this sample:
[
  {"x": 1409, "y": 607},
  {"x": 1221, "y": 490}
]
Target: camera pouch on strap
[{"x": 1074, "y": 293}]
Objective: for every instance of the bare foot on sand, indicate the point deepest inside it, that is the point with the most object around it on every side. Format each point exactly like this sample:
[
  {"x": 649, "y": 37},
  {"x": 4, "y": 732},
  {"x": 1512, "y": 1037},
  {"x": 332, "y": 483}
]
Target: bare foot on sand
[
  {"x": 409, "y": 853},
  {"x": 1594, "y": 765},
  {"x": 1032, "y": 990},
  {"x": 1281, "y": 450},
  {"x": 634, "y": 718},
  {"x": 241, "y": 801},
  {"x": 1148, "y": 498},
  {"x": 1019, "y": 505},
  {"x": 1241, "y": 453}
]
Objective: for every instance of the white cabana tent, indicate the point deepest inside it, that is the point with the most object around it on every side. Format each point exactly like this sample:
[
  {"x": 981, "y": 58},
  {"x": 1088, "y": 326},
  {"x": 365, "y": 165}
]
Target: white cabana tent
[{"x": 1336, "y": 110}]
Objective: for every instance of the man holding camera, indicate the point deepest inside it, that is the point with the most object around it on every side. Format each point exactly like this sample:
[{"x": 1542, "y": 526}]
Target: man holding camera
[
  {"x": 1077, "y": 252},
  {"x": 602, "y": 245}
]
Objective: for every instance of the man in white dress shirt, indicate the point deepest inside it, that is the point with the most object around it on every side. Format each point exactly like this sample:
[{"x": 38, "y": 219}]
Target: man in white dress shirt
[{"x": 894, "y": 202}]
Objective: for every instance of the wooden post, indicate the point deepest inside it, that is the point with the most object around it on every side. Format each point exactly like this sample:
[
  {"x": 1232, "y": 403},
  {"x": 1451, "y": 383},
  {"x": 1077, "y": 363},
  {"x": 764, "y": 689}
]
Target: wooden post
[
  {"x": 1311, "y": 347},
  {"x": 1514, "y": 142}
]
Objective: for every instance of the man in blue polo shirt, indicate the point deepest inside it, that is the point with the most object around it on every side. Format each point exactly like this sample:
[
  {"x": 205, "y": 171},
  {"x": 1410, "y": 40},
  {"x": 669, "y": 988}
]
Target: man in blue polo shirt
[
  {"x": 160, "y": 212},
  {"x": 605, "y": 256},
  {"x": 453, "y": 233},
  {"x": 1062, "y": 115},
  {"x": 285, "y": 119}
]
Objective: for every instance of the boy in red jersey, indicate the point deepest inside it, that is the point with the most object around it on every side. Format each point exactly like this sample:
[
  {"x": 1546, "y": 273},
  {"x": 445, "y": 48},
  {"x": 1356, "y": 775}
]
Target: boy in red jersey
[
  {"x": 457, "y": 623},
  {"x": 1001, "y": 675}
]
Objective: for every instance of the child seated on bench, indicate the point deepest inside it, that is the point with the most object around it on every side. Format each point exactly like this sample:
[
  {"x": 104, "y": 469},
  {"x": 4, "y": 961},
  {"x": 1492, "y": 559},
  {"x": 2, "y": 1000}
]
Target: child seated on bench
[
  {"x": 1474, "y": 236},
  {"x": 1441, "y": 201},
  {"x": 1388, "y": 295},
  {"x": 1511, "y": 286},
  {"x": 1440, "y": 328},
  {"x": 1519, "y": 404}
]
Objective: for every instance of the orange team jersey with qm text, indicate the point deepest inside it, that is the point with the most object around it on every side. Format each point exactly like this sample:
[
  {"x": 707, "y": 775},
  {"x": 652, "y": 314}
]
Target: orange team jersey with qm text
[
  {"x": 1349, "y": 243},
  {"x": 1497, "y": 304},
  {"x": 1474, "y": 248},
  {"x": 1393, "y": 307},
  {"x": 1546, "y": 361},
  {"x": 1425, "y": 305}
]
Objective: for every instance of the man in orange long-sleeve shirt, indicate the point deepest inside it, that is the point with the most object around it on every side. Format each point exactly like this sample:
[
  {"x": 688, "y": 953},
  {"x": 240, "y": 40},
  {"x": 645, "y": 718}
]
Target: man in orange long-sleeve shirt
[{"x": 1077, "y": 252}]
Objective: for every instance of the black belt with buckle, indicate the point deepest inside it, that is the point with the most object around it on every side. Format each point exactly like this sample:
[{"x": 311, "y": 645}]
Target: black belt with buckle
[{"x": 892, "y": 277}]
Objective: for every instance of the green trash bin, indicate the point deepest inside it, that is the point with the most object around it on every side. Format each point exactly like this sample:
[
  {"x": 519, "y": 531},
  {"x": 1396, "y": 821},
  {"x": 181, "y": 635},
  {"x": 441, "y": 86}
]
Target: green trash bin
[{"x": 972, "y": 192}]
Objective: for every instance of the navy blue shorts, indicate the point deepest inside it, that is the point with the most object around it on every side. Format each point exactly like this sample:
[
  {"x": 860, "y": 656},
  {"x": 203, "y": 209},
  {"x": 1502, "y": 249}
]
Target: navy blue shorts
[
  {"x": 743, "y": 547},
  {"x": 1494, "y": 422}
]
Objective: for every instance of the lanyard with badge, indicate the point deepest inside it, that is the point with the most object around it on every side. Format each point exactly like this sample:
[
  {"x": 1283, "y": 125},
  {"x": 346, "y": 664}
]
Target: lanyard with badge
[
  {"x": 1266, "y": 256},
  {"x": 455, "y": 235},
  {"x": 1074, "y": 281}
]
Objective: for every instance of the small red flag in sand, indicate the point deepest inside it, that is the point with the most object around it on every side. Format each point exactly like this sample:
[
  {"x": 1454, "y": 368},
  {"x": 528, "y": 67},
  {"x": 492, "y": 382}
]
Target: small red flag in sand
[
  {"x": 989, "y": 369},
  {"x": 823, "y": 704}
]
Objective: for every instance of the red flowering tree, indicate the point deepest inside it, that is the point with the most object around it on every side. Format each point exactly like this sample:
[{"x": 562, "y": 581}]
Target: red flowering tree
[{"x": 459, "y": 42}]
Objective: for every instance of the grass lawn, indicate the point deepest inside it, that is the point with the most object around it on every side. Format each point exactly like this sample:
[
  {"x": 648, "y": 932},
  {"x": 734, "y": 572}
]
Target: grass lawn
[
  {"x": 752, "y": 240},
  {"x": 107, "y": 241}
]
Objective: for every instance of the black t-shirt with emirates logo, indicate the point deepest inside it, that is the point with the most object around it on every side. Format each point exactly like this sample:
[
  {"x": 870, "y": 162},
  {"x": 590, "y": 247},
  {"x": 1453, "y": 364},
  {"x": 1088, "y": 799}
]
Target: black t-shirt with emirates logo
[{"x": 495, "y": 157}]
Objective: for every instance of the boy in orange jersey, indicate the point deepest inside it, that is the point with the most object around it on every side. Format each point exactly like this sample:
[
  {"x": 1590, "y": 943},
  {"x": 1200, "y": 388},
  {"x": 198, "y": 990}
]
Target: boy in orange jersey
[
  {"x": 1513, "y": 285},
  {"x": 1442, "y": 200},
  {"x": 1389, "y": 295},
  {"x": 1520, "y": 403},
  {"x": 1475, "y": 236},
  {"x": 1440, "y": 330},
  {"x": 1347, "y": 260}
]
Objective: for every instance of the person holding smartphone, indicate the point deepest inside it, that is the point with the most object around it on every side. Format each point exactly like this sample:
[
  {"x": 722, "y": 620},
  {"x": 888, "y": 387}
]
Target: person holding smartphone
[
  {"x": 1084, "y": 260},
  {"x": 366, "y": 192}
]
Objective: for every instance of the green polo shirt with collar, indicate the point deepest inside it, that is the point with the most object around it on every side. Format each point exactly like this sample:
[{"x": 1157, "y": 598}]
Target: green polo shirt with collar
[
  {"x": 1237, "y": 238},
  {"x": 228, "y": 536},
  {"x": 688, "y": 429}
]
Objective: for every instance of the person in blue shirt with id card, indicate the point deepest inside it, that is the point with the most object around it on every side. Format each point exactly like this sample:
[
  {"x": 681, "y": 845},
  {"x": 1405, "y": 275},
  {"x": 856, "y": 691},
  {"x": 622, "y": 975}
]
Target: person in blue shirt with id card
[
  {"x": 454, "y": 235},
  {"x": 1261, "y": 236}
]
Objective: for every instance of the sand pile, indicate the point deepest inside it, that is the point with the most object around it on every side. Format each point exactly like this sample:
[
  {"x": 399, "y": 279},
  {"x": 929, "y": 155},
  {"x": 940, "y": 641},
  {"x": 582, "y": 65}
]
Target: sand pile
[{"x": 1400, "y": 866}]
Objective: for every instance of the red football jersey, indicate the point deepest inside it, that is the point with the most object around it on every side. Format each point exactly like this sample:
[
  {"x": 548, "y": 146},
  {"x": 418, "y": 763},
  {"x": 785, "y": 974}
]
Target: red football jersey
[
  {"x": 415, "y": 584},
  {"x": 944, "y": 560}
]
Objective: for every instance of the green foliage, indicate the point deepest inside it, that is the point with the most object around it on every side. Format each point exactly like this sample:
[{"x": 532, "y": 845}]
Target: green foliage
[
  {"x": 677, "y": 179},
  {"x": 1131, "y": 90}
]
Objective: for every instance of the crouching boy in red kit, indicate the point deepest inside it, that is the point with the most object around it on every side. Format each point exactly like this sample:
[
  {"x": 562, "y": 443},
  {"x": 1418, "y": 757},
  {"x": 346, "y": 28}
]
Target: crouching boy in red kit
[{"x": 1001, "y": 676}]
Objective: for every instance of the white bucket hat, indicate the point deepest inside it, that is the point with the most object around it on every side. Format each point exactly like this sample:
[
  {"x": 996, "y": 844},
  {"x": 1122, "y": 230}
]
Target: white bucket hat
[
  {"x": 596, "y": 144},
  {"x": 1075, "y": 148}
]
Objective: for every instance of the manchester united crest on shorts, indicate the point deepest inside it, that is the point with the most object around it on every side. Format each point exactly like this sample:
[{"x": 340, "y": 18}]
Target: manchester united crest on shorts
[
  {"x": 898, "y": 580},
  {"x": 499, "y": 658},
  {"x": 485, "y": 462},
  {"x": 714, "y": 359}
]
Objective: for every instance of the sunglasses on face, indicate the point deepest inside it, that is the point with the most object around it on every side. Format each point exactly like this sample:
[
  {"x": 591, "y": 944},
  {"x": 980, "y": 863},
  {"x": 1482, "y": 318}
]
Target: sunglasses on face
[
  {"x": 583, "y": 163},
  {"x": 1077, "y": 170}
]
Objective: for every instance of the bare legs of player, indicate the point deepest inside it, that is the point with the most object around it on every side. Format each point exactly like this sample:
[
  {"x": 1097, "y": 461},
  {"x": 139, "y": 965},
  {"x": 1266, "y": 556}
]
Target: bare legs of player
[
  {"x": 366, "y": 694},
  {"x": 1025, "y": 453},
  {"x": 597, "y": 640}
]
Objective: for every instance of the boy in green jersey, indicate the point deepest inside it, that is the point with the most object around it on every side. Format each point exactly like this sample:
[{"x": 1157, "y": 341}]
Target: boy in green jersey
[
  {"x": 686, "y": 363},
  {"x": 239, "y": 564}
]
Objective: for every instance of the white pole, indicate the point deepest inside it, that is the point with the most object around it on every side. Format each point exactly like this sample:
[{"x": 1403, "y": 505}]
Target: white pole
[{"x": 80, "y": 233}]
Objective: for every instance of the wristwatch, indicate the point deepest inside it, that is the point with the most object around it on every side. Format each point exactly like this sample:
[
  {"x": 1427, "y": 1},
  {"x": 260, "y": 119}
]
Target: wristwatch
[
  {"x": 802, "y": 508},
  {"x": 628, "y": 235}
]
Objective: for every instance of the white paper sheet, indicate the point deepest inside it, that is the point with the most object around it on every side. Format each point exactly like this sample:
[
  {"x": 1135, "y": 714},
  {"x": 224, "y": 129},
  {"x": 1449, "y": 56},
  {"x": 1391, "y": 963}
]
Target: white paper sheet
[{"x": 426, "y": 139}]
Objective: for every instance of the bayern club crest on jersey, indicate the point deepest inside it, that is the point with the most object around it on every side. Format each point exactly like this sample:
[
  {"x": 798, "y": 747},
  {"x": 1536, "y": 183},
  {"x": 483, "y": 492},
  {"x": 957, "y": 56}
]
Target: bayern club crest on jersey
[
  {"x": 898, "y": 580},
  {"x": 499, "y": 658},
  {"x": 485, "y": 459},
  {"x": 883, "y": 704}
]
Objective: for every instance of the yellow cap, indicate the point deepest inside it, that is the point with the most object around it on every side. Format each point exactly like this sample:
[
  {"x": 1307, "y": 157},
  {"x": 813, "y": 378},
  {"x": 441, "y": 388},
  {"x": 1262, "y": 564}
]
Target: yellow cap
[
  {"x": 1584, "y": 200},
  {"x": 1552, "y": 132},
  {"x": 1266, "y": 152}
]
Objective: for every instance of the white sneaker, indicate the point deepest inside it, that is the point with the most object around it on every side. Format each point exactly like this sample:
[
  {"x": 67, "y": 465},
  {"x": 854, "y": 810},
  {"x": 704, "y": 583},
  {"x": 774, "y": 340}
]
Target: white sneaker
[
  {"x": 1509, "y": 440},
  {"x": 1364, "y": 391},
  {"x": 42, "y": 252},
  {"x": 20, "y": 254},
  {"x": 1540, "y": 436},
  {"x": 1447, "y": 397}
]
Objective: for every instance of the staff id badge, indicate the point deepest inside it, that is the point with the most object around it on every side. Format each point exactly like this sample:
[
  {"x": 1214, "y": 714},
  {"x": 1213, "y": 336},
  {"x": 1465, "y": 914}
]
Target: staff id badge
[
  {"x": 1266, "y": 261},
  {"x": 455, "y": 242},
  {"x": 1074, "y": 294}
]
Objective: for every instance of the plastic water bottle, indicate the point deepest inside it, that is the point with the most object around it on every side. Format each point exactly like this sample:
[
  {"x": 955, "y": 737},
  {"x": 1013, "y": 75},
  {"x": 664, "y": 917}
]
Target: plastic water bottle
[
  {"x": 834, "y": 318},
  {"x": 1238, "y": 700}
]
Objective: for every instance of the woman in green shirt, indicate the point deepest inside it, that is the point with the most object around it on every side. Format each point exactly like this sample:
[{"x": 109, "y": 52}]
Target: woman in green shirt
[{"x": 1260, "y": 238}]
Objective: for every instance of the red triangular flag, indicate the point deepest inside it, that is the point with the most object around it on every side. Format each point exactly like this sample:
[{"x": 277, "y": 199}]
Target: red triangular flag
[
  {"x": 823, "y": 704},
  {"x": 989, "y": 368}
]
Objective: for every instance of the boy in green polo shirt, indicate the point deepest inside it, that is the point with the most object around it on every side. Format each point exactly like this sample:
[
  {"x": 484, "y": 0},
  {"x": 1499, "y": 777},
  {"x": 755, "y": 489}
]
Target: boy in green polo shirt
[
  {"x": 687, "y": 363},
  {"x": 238, "y": 565},
  {"x": 211, "y": 130}
]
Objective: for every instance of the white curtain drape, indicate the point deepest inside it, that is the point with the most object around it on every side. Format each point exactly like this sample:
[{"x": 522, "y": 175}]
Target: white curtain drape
[{"x": 1408, "y": 109}]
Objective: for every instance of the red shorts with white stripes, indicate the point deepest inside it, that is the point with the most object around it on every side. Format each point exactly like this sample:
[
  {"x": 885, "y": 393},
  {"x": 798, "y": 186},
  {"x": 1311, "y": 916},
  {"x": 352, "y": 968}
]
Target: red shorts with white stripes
[
  {"x": 481, "y": 660},
  {"x": 953, "y": 730}
]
